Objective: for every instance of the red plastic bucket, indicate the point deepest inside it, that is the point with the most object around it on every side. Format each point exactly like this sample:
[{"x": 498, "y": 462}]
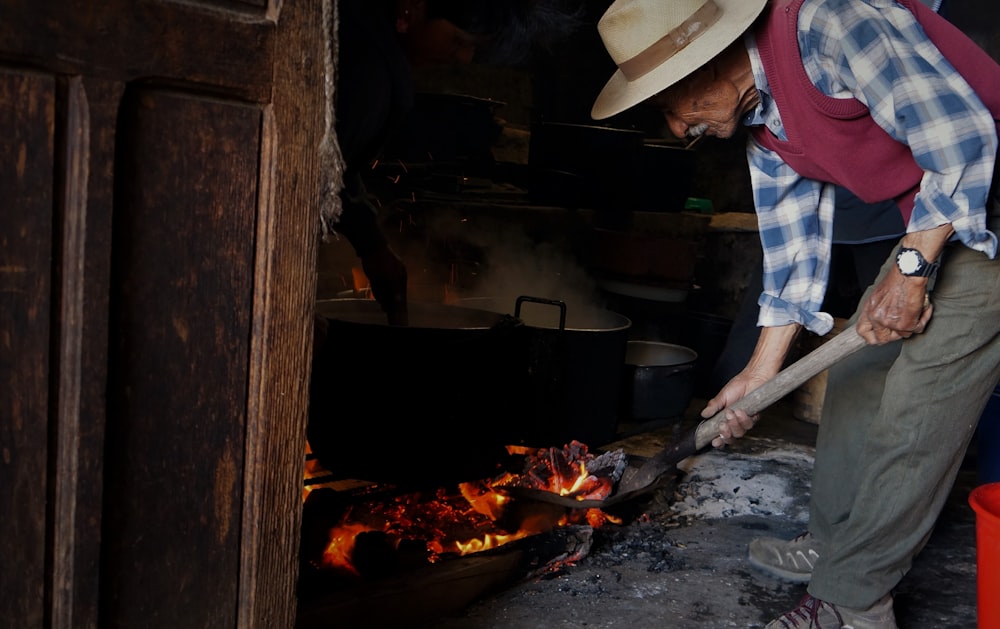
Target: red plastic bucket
[{"x": 985, "y": 501}]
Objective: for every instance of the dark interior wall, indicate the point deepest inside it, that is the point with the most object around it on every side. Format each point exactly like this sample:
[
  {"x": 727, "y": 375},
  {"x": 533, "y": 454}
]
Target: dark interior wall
[
  {"x": 560, "y": 86},
  {"x": 553, "y": 85}
]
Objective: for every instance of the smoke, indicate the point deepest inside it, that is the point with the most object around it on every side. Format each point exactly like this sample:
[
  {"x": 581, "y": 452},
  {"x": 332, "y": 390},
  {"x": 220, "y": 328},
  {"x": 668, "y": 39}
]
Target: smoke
[{"x": 516, "y": 265}]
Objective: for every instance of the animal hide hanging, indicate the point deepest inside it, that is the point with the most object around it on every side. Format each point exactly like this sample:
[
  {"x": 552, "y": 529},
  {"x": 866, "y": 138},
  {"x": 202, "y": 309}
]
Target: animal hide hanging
[{"x": 331, "y": 159}]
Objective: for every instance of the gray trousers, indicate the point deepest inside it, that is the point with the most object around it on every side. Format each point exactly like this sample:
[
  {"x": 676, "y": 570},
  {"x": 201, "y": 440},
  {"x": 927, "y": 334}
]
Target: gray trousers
[{"x": 896, "y": 423}]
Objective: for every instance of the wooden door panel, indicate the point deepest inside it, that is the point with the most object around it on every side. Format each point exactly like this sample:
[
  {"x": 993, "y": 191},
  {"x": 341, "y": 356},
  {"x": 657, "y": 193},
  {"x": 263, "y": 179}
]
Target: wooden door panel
[
  {"x": 26, "y": 223},
  {"x": 183, "y": 250}
]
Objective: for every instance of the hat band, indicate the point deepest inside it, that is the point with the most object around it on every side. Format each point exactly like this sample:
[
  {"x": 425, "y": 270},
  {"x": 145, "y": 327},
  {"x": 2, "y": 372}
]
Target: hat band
[{"x": 671, "y": 43}]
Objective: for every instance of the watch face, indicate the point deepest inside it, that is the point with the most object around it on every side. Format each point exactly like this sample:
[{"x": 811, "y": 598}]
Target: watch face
[{"x": 908, "y": 262}]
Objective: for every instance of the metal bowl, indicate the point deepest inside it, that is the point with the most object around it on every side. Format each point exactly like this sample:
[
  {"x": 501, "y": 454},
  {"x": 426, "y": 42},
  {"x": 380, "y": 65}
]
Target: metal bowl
[{"x": 658, "y": 380}]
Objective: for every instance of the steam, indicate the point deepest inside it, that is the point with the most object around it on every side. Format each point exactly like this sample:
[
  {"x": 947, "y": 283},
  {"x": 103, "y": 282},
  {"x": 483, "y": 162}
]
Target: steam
[{"x": 516, "y": 265}]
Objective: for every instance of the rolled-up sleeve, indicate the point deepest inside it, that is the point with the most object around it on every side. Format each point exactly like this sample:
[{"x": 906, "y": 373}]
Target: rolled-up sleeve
[{"x": 795, "y": 220}]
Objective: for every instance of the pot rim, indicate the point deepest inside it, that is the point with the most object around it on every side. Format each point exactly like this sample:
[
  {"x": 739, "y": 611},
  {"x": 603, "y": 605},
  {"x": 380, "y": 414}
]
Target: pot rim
[
  {"x": 579, "y": 319},
  {"x": 422, "y": 315},
  {"x": 690, "y": 356}
]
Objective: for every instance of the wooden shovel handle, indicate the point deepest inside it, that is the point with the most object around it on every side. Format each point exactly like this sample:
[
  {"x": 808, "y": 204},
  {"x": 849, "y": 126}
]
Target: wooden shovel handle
[
  {"x": 787, "y": 380},
  {"x": 694, "y": 441}
]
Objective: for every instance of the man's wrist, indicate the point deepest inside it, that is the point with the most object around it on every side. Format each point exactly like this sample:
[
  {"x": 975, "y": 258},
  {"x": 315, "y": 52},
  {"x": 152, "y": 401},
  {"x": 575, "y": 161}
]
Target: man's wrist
[{"x": 930, "y": 243}]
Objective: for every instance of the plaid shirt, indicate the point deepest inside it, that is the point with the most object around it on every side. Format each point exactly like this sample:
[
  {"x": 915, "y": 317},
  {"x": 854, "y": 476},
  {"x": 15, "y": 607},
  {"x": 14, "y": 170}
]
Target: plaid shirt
[{"x": 874, "y": 51}]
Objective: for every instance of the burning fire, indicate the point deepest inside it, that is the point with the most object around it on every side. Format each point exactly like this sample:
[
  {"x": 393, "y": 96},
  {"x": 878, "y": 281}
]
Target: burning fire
[
  {"x": 571, "y": 471},
  {"x": 479, "y": 516},
  {"x": 360, "y": 282}
]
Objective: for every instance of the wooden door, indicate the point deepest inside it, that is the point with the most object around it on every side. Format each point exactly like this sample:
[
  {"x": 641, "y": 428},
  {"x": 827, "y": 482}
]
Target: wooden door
[{"x": 159, "y": 187}]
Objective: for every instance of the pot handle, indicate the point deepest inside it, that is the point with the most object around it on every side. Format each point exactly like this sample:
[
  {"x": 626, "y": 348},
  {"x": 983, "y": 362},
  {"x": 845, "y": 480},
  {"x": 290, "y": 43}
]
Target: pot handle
[{"x": 542, "y": 300}]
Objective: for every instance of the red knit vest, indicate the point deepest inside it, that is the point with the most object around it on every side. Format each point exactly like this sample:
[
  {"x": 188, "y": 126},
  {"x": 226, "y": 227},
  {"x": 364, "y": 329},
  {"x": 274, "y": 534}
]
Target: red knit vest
[{"x": 834, "y": 139}]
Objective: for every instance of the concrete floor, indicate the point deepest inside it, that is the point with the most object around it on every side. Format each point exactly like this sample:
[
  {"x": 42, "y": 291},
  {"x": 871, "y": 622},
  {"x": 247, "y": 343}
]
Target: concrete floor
[{"x": 682, "y": 564}]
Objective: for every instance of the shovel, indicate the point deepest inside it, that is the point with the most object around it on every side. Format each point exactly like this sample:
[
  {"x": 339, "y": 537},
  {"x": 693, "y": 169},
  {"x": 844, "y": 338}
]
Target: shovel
[{"x": 636, "y": 481}]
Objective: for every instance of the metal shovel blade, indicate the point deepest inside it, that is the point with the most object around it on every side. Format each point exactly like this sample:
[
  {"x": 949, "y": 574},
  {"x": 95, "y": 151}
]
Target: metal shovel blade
[{"x": 637, "y": 480}]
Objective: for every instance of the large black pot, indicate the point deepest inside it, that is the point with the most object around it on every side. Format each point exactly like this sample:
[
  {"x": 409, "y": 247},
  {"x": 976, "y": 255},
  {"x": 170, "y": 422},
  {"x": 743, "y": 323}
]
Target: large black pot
[
  {"x": 575, "y": 358},
  {"x": 439, "y": 400},
  {"x": 429, "y": 403}
]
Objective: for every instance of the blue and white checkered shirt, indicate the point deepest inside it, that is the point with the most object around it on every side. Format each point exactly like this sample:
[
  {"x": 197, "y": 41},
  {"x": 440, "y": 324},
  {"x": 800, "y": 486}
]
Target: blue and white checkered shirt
[{"x": 874, "y": 51}]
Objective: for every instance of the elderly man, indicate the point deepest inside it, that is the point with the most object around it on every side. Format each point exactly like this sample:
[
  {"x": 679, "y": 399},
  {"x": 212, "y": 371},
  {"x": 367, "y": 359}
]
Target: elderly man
[{"x": 890, "y": 101}]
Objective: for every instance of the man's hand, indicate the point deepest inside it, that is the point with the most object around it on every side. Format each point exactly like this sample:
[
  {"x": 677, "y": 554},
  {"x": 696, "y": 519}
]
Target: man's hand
[
  {"x": 387, "y": 275},
  {"x": 898, "y": 308},
  {"x": 766, "y": 361},
  {"x": 737, "y": 423}
]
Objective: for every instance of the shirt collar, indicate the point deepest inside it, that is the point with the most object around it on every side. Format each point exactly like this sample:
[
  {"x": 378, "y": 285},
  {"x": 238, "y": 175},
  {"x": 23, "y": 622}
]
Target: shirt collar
[{"x": 758, "y": 115}]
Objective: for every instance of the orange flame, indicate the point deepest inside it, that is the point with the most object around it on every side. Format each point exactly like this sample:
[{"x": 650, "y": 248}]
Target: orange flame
[
  {"x": 466, "y": 523},
  {"x": 338, "y": 551},
  {"x": 362, "y": 286}
]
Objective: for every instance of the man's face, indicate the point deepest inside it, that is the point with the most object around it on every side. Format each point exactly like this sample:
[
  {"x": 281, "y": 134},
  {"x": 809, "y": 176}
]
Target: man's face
[{"x": 700, "y": 103}]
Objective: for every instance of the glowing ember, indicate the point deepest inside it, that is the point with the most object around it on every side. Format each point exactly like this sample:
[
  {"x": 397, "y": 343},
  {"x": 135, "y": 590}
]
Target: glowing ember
[
  {"x": 338, "y": 552},
  {"x": 474, "y": 519},
  {"x": 312, "y": 470},
  {"x": 573, "y": 471}
]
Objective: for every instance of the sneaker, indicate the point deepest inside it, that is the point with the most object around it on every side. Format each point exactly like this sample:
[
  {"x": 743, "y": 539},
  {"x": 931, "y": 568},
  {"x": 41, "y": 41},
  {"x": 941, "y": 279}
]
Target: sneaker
[
  {"x": 791, "y": 560},
  {"x": 813, "y": 613}
]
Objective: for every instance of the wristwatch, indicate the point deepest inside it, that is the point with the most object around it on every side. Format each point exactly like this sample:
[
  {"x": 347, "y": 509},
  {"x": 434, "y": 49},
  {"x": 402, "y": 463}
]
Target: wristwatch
[{"x": 912, "y": 263}]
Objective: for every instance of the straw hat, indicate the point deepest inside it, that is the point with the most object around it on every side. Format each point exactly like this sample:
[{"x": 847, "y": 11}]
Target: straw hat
[{"x": 656, "y": 43}]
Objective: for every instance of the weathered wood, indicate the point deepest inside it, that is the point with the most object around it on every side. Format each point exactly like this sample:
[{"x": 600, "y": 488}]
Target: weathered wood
[
  {"x": 281, "y": 346},
  {"x": 181, "y": 298},
  {"x": 157, "y": 264},
  {"x": 68, "y": 274},
  {"x": 200, "y": 42},
  {"x": 88, "y": 141},
  {"x": 27, "y": 138}
]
